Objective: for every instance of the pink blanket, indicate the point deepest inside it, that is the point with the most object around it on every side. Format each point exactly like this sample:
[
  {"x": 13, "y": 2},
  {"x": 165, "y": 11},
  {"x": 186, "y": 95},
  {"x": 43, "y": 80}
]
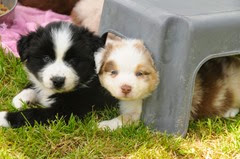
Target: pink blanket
[{"x": 26, "y": 19}]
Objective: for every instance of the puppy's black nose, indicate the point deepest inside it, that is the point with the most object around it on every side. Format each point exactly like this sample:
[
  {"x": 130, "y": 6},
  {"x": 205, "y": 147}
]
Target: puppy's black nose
[{"x": 58, "y": 82}]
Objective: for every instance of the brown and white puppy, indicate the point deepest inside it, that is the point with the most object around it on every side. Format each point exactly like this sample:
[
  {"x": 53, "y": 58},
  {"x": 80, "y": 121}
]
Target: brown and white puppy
[
  {"x": 127, "y": 71},
  {"x": 217, "y": 89},
  {"x": 87, "y": 13}
]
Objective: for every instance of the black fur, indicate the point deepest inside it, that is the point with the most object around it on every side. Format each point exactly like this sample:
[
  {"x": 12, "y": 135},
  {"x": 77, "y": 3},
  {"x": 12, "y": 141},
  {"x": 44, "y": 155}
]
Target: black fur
[{"x": 80, "y": 56}]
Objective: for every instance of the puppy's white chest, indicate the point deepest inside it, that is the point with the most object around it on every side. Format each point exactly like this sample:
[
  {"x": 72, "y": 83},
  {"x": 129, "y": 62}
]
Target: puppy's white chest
[{"x": 43, "y": 97}]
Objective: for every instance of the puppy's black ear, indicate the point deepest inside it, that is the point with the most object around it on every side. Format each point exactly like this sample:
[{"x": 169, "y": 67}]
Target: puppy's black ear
[
  {"x": 98, "y": 42},
  {"x": 25, "y": 42},
  {"x": 23, "y": 45}
]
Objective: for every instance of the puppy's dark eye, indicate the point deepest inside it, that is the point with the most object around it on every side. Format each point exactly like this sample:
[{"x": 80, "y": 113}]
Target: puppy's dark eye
[
  {"x": 47, "y": 59},
  {"x": 114, "y": 72},
  {"x": 138, "y": 74}
]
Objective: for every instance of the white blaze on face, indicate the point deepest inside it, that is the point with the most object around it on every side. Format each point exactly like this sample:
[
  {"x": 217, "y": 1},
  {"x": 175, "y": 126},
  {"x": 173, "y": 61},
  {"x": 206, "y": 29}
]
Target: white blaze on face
[
  {"x": 58, "y": 68},
  {"x": 133, "y": 74}
]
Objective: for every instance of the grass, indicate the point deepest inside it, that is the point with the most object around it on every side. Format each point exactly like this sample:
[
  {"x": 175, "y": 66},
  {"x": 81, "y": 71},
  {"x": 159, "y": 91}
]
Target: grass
[{"x": 210, "y": 138}]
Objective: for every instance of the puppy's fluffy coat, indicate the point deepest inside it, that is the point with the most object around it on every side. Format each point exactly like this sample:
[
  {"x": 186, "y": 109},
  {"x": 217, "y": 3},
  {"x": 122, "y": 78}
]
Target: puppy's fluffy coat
[
  {"x": 87, "y": 13},
  {"x": 127, "y": 71},
  {"x": 217, "y": 88},
  {"x": 59, "y": 60}
]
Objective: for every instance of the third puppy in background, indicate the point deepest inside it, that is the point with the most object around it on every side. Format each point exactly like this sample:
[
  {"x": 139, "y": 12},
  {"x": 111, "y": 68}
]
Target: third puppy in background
[
  {"x": 126, "y": 69},
  {"x": 88, "y": 13},
  {"x": 217, "y": 88}
]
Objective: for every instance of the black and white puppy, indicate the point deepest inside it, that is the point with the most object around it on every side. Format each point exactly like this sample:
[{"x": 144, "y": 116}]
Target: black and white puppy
[{"x": 59, "y": 61}]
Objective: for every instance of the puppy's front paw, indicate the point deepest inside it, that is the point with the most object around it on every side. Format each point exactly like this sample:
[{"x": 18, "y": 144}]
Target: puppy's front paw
[
  {"x": 17, "y": 102},
  {"x": 3, "y": 120},
  {"x": 111, "y": 124},
  {"x": 26, "y": 96},
  {"x": 232, "y": 112}
]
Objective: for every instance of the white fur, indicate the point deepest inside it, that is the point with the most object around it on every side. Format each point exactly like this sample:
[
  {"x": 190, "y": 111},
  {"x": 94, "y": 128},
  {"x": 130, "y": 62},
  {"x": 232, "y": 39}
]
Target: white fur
[
  {"x": 88, "y": 13},
  {"x": 62, "y": 40},
  {"x": 131, "y": 107},
  {"x": 59, "y": 68},
  {"x": 110, "y": 124},
  {"x": 130, "y": 113},
  {"x": 98, "y": 57},
  {"x": 42, "y": 92},
  {"x": 232, "y": 112},
  {"x": 3, "y": 121},
  {"x": 26, "y": 96}
]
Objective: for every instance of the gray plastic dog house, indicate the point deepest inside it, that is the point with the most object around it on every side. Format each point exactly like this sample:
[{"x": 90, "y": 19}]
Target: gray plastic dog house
[{"x": 182, "y": 35}]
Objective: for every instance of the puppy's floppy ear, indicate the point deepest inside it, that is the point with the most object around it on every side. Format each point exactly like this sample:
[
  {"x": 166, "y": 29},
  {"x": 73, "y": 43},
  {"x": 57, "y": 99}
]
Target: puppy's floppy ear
[
  {"x": 101, "y": 55},
  {"x": 23, "y": 44},
  {"x": 98, "y": 57}
]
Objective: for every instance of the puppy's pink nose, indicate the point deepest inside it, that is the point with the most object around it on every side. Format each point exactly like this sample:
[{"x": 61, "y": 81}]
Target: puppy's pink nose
[{"x": 126, "y": 89}]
